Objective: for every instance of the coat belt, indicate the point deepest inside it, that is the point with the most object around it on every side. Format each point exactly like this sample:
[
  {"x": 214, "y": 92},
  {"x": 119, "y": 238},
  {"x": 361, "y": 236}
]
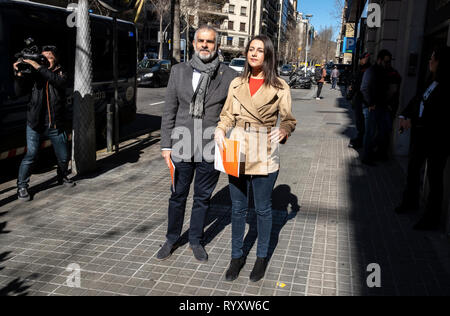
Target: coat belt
[{"x": 253, "y": 127}]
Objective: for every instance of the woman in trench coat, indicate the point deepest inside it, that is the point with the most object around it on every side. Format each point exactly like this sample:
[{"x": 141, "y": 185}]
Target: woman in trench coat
[{"x": 255, "y": 102}]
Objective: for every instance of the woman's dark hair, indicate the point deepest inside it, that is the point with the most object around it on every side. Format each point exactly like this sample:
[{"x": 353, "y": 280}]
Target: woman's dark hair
[
  {"x": 441, "y": 54},
  {"x": 269, "y": 66}
]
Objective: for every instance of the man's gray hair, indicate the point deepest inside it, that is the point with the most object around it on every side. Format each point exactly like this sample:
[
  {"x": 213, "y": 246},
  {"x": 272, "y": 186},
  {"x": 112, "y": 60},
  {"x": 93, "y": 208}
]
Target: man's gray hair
[{"x": 209, "y": 28}]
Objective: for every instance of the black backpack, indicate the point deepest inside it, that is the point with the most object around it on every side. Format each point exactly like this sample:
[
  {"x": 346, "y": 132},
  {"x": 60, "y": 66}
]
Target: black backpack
[{"x": 318, "y": 74}]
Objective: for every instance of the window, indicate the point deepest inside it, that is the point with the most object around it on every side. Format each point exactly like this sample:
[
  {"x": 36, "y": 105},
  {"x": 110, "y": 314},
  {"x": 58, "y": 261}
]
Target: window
[
  {"x": 242, "y": 28},
  {"x": 165, "y": 65},
  {"x": 243, "y": 11},
  {"x": 229, "y": 41},
  {"x": 230, "y": 25},
  {"x": 241, "y": 42},
  {"x": 231, "y": 8}
]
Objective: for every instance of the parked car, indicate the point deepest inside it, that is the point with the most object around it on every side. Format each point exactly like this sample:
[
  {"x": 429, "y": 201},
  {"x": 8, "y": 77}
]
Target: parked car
[
  {"x": 226, "y": 63},
  {"x": 153, "y": 72},
  {"x": 238, "y": 64},
  {"x": 286, "y": 70}
]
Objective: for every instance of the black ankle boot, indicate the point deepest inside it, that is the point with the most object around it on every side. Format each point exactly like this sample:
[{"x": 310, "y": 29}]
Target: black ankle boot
[
  {"x": 66, "y": 182},
  {"x": 259, "y": 269},
  {"x": 234, "y": 268}
]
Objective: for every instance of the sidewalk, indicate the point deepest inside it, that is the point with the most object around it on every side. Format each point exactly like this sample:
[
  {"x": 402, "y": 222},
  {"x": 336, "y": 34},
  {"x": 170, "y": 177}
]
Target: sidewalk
[{"x": 332, "y": 218}]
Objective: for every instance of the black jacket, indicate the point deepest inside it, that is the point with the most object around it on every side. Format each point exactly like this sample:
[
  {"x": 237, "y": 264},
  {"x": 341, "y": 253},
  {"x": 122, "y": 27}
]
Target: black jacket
[
  {"x": 356, "y": 94},
  {"x": 47, "y": 88},
  {"x": 375, "y": 87},
  {"x": 432, "y": 127}
]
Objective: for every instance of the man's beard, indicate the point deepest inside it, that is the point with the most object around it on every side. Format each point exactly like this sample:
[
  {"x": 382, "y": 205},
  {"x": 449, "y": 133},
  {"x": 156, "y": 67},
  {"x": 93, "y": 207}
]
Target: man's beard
[{"x": 206, "y": 58}]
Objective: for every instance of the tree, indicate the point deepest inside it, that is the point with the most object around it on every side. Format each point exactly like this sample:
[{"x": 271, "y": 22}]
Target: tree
[
  {"x": 188, "y": 9},
  {"x": 161, "y": 7},
  {"x": 323, "y": 47},
  {"x": 176, "y": 45}
]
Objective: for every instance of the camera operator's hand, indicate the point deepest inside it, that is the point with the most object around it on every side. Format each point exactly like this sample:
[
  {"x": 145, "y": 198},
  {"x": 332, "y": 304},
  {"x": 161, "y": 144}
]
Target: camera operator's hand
[
  {"x": 34, "y": 64},
  {"x": 16, "y": 68}
]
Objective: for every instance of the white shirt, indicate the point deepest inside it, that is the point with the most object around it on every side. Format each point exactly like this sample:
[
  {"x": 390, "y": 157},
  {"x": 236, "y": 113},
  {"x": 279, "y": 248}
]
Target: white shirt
[
  {"x": 195, "y": 78},
  {"x": 426, "y": 95}
]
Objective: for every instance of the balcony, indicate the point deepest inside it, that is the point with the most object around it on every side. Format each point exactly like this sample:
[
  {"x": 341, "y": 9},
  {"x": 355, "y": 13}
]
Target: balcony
[{"x": 213, "y": 8}]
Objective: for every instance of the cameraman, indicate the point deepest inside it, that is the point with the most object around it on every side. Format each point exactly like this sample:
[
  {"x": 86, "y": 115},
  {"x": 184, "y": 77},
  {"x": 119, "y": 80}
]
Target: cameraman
[{"x": 45, "y": 115}]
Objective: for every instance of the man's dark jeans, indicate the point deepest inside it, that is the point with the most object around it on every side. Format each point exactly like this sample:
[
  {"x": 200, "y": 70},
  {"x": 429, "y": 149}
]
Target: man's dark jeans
[
  {"x": 359, "y": 119},
  {"x": 59, "y": 142},
  {"x": 206, "y": 178},
  {"x": 436, "y": 162},
  {"x": 378, "y": 126},
  {"x": 262, "y": 192}
]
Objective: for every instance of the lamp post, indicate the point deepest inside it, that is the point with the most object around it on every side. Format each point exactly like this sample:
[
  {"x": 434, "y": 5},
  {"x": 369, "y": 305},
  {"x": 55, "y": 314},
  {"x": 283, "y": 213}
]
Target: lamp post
[{"x": 307, "y": 48}]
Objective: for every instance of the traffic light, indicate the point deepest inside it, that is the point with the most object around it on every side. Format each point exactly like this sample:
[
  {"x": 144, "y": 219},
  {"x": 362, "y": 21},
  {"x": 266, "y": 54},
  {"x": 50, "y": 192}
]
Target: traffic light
[{"x": 118, "y": 6}]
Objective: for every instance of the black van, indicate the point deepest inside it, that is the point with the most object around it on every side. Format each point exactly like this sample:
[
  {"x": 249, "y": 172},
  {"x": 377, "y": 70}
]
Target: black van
[{"x": 47, "y": 25}]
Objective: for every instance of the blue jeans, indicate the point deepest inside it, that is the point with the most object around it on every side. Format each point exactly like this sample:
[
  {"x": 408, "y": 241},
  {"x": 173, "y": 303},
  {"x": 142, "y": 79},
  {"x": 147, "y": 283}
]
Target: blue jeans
[
  {"x": 206, "y": 178},
  {"x": 262, "y": 192},
  {"x": 333, "y": 82},
  {"x": 59, "y": 142},
  {"x": 378, "y": 126}
]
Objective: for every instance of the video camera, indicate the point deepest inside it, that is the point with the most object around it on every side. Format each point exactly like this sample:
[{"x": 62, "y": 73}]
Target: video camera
[{"x": 32, "y": 52}]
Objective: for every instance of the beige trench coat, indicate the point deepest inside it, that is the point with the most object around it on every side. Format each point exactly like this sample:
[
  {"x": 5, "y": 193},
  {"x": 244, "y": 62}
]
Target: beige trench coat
[{"x": 251, "y": 119}]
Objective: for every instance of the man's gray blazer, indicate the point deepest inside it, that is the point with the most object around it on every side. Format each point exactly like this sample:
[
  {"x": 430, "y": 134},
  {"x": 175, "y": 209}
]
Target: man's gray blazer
[{"x": 176, "y": 119}]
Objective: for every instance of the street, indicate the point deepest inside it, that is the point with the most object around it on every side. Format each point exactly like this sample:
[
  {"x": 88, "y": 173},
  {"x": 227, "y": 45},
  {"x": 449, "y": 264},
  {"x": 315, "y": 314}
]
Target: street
[{"x": 334, "y": 230}]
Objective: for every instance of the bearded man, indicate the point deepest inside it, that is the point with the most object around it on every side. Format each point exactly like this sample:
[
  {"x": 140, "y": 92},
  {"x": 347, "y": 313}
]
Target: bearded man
[{"x": 195, "y": 95}]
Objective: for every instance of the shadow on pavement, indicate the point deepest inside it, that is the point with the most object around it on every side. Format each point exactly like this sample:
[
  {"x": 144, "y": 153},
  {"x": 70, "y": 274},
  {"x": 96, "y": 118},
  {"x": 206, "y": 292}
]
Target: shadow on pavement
[
  {"x": 219, "y": 217},
  {"x": 126, "y": 155},
  {"x": 411, "y": 263},
  {"x": 16, "y": 287}
]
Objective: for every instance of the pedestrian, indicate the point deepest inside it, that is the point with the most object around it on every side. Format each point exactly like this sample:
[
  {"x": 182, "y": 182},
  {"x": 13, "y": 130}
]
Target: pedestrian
[
  {"x": 427, "y": 116},
  {"x": 45, "y": 115},
  {"x": 357, "y": 101},
  {"x": 195, "y": 95},
  {"x": 378, "y": 122},
  {"x": 334, "y": 77},
  {"x": 255, "y": 102},
  {"x": 320, "y": 79}
]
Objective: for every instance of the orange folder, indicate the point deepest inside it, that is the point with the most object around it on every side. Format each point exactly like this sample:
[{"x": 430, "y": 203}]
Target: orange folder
[
  {"x": 228, "y": 160},
  {"x": 172, "y": 174}
]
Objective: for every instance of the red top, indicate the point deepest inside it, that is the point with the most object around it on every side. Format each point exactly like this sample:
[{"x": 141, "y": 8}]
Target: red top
[{"x": 255, "y": 84}]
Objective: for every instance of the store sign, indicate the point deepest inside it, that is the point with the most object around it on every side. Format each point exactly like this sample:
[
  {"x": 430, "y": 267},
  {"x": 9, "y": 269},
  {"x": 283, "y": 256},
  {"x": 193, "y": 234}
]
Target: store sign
[{"x": 349, "y": 45}]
